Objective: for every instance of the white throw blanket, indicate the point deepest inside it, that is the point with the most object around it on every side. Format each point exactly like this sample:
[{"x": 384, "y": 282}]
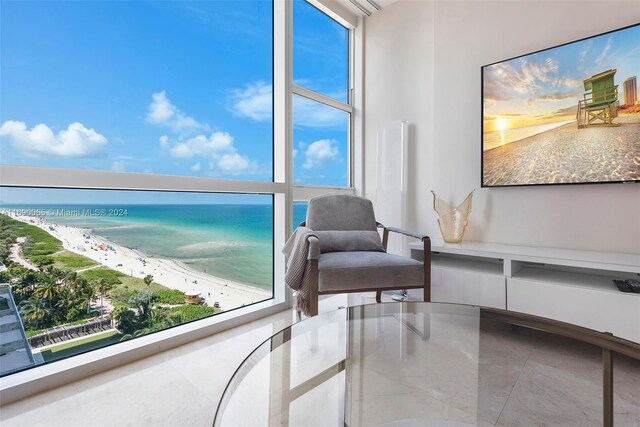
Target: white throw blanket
[{"x": 298, "y": 275}]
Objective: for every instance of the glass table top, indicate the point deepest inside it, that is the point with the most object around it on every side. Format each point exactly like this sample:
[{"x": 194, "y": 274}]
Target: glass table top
[{"x": 430, "y": 364}]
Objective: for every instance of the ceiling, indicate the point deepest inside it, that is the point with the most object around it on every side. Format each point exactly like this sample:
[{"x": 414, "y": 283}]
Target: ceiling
[{"x": 365, "y": 7}]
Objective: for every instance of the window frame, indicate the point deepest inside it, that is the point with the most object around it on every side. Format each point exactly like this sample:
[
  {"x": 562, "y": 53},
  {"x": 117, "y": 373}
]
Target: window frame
[
  {"x": 302, "y": 193},
  {"x": 21, "y": 384},
  {"x": 37, "y": 379}
]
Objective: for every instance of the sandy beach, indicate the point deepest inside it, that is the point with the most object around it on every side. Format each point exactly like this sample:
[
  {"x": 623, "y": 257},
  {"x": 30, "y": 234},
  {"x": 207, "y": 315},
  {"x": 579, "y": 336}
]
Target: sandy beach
[
  {"x": 170, "y": 273},
  {"x": 567, "y": 154}
]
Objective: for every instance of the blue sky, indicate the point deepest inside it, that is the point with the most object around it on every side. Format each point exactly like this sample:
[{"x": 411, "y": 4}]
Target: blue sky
[
  {"x": 175, "y": 87},
  {"x": 546, "y": 86}
]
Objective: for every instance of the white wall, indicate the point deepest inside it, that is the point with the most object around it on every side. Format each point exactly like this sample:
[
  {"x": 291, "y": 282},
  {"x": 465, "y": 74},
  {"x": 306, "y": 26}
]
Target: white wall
[
  {"x": 398, "y": 85},
  {"x": 422, "y": 63}
]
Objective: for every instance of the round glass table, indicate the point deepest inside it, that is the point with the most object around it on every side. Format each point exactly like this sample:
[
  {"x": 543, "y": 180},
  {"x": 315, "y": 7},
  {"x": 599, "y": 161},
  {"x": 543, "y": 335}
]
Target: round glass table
[{"x": 432, "y": 364}]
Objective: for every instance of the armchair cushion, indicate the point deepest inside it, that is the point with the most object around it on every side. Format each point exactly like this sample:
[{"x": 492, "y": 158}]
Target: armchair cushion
[
  {"x": 339, "y": 271},
  {"x": 345, "y": 241},
  {"x": 340, "y": 212}
]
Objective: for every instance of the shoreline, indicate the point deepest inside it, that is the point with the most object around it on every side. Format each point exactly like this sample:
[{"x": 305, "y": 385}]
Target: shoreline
[
  {"x": 552, "y": 126},
  {"x": 170, "y": 273},
  {"x": 567, "y": 154}
]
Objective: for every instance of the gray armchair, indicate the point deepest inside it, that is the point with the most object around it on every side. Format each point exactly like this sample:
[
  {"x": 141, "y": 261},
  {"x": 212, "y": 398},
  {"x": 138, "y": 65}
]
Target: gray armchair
[{"x": 348, "y": 256}]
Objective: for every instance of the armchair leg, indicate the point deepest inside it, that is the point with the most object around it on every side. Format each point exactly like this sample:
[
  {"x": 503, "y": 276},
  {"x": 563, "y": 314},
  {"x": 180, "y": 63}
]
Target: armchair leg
[
  {"x": 313, "y": 297},
  {"x": 427, "y": 269},
  {"x": 378, "y": 296}
]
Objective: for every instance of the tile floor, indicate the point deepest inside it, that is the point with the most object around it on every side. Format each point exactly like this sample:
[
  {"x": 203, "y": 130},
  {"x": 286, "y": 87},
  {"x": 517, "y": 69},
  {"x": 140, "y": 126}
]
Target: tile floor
[{"x": 552, "y": 382}]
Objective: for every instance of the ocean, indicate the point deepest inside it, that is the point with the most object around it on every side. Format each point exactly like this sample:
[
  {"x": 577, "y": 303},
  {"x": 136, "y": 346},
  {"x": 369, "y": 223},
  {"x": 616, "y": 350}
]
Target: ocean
[
  {"x": 230, "y": 241},
  {"x": 233, "y": 242},
  {"x": 501, "y": 137}
]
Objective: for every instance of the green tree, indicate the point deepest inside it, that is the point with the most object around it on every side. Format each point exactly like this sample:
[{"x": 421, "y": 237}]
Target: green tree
[
  {"x": 42, "y": 261},
  {"x": 126, "y": 320},
  {"x": 65, "y": 303},
  {"x": 23, "y": 281},
  {"x": 102, "y": 288},
  {"x": 85, "y": 293},
  {"x": 48, "y": 288},
  {"x": 143, "y": 301},
  {"x": 148, "y": 279},
  {"x": 35, "y": 310}
]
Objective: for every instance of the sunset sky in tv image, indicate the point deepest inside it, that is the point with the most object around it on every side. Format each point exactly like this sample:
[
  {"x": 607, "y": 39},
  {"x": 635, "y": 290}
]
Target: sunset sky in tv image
[{"x": 545, "y": 87}]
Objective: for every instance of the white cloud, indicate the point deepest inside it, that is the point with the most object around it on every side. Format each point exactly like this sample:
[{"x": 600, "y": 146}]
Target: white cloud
[
  {"x": 528, "y": 77},
  {"x": 164, "y": 141},
  {"x": 211, "y": 147},
  {"x": 254, "y": 101},
  {"x": 586, "y": 47},
  {"x": 75, "y": 141},
  {"x": 313, "y": 114},
  {"x": 321, "y": 152},
  {"x": 600, "y": 59},
  {"x": 217, "y": 149},
  {"x": 233, "y": 163},
  {"x": 118, "y": 166},
  {"x": 162, "y": 112}
]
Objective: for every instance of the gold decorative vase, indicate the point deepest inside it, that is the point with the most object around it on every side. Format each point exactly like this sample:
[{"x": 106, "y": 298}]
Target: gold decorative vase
[{"x": 452, "y": 221}]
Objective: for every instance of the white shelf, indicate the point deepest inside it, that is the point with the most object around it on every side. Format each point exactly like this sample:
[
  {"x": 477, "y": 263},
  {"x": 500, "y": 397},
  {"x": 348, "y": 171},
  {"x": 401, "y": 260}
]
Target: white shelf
[
  {"x": 613, "y": 261},
  {"x": 565, "y": 278},
  {"x": 573, "y": 286},
  {"x": 485, "y": 267}
]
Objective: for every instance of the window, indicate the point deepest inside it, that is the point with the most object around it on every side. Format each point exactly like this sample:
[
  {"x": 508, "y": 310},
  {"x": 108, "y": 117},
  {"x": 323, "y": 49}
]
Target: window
[
  {"x": 321, "y": 135},
  {"x": 177, "y": 88},
  {"x": 321, "y": 105},
  {"x": 299, "y": 213},
  {"x": 320, "y": 52},
  {"x": 152, "y": 125},
  {"x": 144, "y": 160},
  {"x": 89, "y": 268}
]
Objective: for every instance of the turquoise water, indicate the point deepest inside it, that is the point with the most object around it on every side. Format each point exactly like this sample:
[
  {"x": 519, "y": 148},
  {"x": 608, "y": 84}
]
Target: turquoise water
[
  {"x": 299, "y": 213},
  {"x": 229, "y": 241}
]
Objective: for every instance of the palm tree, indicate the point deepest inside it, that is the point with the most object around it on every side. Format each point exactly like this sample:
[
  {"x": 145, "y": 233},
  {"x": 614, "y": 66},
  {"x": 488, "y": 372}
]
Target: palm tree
[
  {"x": 148, "y": 279},
  {"x": 66, "y": 301},
  {"x": 70, "y": 276},
  {"x": 34, "y": 310},
  {"x": 85, "y": 293},
  {"x": 48, "y": 288},
  {"x": 102, "y": 287},
  {"x": 159, "y": 319},
  {"x": 143, "y": 301},
  {"x": 24, "y": 281}
]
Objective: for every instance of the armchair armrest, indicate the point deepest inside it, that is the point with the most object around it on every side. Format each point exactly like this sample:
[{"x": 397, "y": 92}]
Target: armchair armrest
[
  {"x": 314, "y": 248},
  {"x": 385, "y": 235},
  {"x": 408, "y": 233}
]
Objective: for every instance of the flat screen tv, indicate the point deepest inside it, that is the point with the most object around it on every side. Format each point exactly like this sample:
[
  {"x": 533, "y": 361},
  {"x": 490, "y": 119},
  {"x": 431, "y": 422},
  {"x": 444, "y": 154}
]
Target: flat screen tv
[{"x": 565, "y": 115}]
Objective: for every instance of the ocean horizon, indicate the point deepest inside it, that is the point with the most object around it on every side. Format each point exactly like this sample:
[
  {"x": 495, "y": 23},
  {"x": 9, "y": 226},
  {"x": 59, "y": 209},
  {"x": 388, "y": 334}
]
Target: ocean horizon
[
  {"x": 230, "y": 241},
  {"x": 497, "y": 138}
]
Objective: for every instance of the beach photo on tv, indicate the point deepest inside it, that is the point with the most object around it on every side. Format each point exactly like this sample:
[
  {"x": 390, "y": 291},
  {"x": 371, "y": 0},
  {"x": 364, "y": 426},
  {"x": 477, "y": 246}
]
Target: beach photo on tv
[{"x": 568, "y": 114}]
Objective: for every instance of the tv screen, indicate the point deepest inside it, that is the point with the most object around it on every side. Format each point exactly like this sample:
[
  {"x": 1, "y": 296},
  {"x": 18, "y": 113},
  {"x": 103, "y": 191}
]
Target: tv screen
[{"x": 564, "y": 115}]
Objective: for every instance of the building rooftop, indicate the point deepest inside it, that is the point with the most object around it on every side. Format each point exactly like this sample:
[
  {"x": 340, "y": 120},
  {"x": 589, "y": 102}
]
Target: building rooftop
[{"x": 15, "y": 352}]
